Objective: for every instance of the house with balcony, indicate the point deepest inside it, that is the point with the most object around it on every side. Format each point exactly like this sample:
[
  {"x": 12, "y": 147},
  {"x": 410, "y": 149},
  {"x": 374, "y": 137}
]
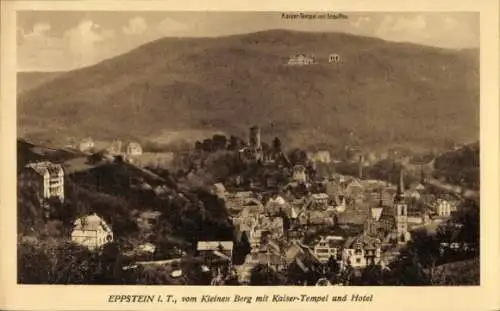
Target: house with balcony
[{"x": 46, "y": 178}]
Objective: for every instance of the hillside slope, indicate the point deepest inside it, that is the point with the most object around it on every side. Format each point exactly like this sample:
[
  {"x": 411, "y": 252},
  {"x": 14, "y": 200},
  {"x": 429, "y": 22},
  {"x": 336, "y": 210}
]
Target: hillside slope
[
  {"x": 31, "y": 80},
  {"x": 382, "y": 92}
]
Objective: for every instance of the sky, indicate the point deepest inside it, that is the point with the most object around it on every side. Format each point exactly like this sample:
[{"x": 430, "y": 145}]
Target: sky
[{"x": 66, "y": 40}]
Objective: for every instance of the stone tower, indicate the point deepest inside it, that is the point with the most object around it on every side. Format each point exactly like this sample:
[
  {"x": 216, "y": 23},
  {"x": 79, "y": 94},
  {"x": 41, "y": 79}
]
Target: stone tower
[
  {"x": 254, "y": 139},
  {"x": 401, "y": 212},
  {"x": 254, "y": 144}
]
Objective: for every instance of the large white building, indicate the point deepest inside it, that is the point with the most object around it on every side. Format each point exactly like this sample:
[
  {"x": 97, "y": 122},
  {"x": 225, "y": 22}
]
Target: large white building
[
  {"x": 91, "y": 231},
  {"x": 134, "y": 149},
  {"x": 46, "y": 178},
  {"x": 444, "y": 208}
]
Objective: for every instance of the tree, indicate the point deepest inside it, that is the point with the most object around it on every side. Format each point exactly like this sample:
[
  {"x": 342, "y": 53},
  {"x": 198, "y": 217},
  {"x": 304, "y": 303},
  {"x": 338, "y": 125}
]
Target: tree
[
  {"x": 56, "y": 263},
  {"x": 219, "y": 142},
  {"x": 407, "y": 270},
  {"x": 468, "y": 216},
  {"x": 263, "y": 275},
  {"x": 110, "y": 265},
  {"x": 347, "y": 276},
  {"x": 28, "y": 209},
  {"x": 372, "y": 275},
  {"x": 333, "y": 269},
  {"x": 207, "y": 145},
  {"x": 198, "y": 145},
  {"x": 242, "y": 249},
  {"x": 235, "y": 143},
  {"x": 297, "y": 156},
  {"x": 193, "y": 273},
  {"x": 276, "y": 146}
]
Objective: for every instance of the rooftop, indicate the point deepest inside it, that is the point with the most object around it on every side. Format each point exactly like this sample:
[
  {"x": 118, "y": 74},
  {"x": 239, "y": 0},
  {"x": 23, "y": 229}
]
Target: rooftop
[
  {"x": 91, "y": 223},
  {"x": 214, "y": 245},
  {"x": 46, "y": 167},
  {"x": 320, "y": 196}
]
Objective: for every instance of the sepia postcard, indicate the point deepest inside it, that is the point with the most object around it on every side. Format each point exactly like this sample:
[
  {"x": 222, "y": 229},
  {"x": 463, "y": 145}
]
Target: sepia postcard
[{"x": 227, "y": 156}]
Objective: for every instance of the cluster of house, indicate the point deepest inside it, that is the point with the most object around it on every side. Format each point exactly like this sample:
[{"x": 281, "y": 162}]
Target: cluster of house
[
  {"x": 277, "y": 224},
  {"x": 301, "y": 59},
  {"x": 113, "y": 148},
  {"x": 47, "y": 180}
]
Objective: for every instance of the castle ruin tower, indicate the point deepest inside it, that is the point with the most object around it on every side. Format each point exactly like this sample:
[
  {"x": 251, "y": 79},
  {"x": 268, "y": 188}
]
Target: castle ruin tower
[
  {"x": 254, "y": 144},
  {"x": 254, "y": 139}
]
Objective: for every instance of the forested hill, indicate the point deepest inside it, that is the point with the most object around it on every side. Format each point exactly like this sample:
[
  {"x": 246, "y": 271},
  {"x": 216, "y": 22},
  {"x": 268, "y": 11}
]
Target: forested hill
[{"x": 383, "y": 92}]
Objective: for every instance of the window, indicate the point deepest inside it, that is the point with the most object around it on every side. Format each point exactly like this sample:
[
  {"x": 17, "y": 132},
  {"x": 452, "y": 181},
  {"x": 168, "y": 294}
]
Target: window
[{"x": 358, "y": 260}]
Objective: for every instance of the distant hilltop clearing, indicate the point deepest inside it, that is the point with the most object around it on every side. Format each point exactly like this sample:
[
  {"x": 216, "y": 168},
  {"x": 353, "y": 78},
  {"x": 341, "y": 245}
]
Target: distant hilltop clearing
[{"x": 384, "y": 92}]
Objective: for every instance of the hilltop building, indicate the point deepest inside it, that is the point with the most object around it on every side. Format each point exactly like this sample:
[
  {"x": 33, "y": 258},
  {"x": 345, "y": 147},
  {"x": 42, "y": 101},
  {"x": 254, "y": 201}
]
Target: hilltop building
[
  {"x": 91, "y": 231},
  {"x": 334, "y": 58},
  {"x": 46, "y": 178},
  {"x": 300, "y": 59}
]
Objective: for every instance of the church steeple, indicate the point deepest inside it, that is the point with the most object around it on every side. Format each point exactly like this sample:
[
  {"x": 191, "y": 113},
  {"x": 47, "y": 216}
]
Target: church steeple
[
  {"x": 399, "y": 193},
  {"x": 401, "y": 211}
]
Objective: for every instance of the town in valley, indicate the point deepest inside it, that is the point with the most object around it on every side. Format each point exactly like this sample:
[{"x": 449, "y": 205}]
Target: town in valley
[{"x": 277, "y": 218}]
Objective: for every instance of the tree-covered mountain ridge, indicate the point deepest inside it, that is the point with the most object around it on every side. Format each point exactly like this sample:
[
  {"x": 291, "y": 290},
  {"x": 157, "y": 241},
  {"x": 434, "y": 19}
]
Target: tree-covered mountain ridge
[{"x": 381, "y": 92}]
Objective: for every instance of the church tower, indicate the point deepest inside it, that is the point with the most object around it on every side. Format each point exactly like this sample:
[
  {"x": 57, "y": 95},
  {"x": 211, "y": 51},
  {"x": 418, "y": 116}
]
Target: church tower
[{"x": 401, "y": 212}]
